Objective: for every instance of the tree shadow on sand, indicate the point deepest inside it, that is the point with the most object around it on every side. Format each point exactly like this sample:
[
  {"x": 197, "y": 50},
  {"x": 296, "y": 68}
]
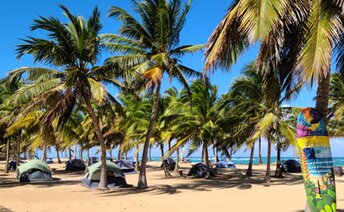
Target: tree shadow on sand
[
  {"x": 224, "y": 180},
  {"x": 55, "y": 182},
  {"x": 3, "y": 209}
]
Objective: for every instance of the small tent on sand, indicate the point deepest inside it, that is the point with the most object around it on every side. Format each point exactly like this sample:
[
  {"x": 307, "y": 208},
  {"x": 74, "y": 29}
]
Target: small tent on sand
[
  {"x": 169, "y": 163},
  {"x": 75, "y": 165},
  {"x": 225, "y": 164},
  {"x": 115, "y": 176},
  {"x": 200, "y": 170},
  {"x": 126, "y": 166},
  {"x": 34, "y": 171}
]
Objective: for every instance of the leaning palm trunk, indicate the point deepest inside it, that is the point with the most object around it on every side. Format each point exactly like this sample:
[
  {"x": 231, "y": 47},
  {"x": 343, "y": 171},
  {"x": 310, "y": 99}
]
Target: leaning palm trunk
[
  {"x": 7, "y": 155},
  {"x": 169, "y": 145},
  {"x": 231, "y": 154},
  {"x": 103, "y": 176},
  {"x": 142, "y": 182},
  {"x": 162, "y": 150},
  {"x": 278, "y": 172},
  {"x": 249, "y": 170},
  {"x": 267, "y": 179},
  {"x": 323, "y": 95},
  {"x": 260, "y": 151}
]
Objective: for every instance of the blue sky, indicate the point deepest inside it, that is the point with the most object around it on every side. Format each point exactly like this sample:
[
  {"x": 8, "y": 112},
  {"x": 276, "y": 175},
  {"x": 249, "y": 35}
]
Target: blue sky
[{"x": 17, "y": 16}]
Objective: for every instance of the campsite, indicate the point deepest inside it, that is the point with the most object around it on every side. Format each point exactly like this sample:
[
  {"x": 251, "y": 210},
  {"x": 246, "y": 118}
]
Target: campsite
[
  {"x": 172, "y": 105},
  {"x": 66, "y": 193}
]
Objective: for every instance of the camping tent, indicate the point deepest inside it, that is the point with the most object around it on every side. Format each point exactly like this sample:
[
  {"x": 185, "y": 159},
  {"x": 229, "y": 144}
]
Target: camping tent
[
  {"x": 225, "y": 164},
  {"x": 291, "y": 166},
  {"x": 126, "y": 166},
  {"x": 169, "y": 163},
  {"x": 92, "y": 160},
  {"x": 75, "y": 165},
  {"x": 200, "y": 170},
  {"x": 34, "y": 171},
  {"x": 115, "y": 176}
]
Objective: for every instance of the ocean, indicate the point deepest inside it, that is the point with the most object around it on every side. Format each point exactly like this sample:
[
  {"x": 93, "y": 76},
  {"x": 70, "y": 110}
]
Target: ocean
[{"x": 337, "y": 161}]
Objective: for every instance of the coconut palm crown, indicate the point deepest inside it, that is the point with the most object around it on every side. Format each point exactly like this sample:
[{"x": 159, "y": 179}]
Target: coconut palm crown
[
  {"x": 148, "y": 48},
  {"x": 72, "y": 49},
  {"x": 306, "y": 30}
]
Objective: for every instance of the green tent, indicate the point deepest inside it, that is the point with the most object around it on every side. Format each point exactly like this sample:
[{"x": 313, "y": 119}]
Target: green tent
[
  {"x": 95, "y": 168},
  {"x": 33, "y": 164},
  {"x": 34, "y": 171},
  {"x": 115, "y": 176}
]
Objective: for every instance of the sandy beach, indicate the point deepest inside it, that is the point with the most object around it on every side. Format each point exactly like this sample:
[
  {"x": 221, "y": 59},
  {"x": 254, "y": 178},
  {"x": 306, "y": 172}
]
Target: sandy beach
[{"x": 223, "y": 193}]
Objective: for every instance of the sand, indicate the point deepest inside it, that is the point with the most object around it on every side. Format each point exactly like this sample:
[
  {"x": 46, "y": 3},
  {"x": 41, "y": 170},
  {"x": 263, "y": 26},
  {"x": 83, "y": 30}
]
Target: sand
[{"x": 223, "y": 193}]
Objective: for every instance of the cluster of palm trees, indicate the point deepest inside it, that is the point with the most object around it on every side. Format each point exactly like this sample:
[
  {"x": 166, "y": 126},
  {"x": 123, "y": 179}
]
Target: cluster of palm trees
[{"x": 67, "y": 102}]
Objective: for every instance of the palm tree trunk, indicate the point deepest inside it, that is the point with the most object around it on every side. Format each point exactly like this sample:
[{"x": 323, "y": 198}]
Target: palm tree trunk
[
  {"x": 137, "y": 166},
  {"x": 176, "y": 168},
  {"x": 162, "y": 149},
  {"x": 75, "y": 151},
  {"x": 268, "y": 168},
  {"x": 119, "y": 156},
  {"x": 206, "y": 155},
  {"x": 278, "y": 172},
  {"x": 150, "y": 153},
  {"x": 322, "y": 101},
  {"x": 110, "y": 152},
  {"x": 260, "y": 151},
  {"x": 69, "y": 153},
  {"x": 44, "y": 156},
  {"x": 58, "y": 154},
  {"x": 103, "y": 176},
  {"x": 323, "y": 95},
  {"x": 142, "y": 182},
  {"x": 231, "y": 154},
  {"x": 249, "y": 170},
  {"x": 169, "y": 145},
  {"x": 18, "y": 152},
  {"x": 88, "y": 153},
  {"x": 216, "y": 157},
  {"x": 80, "y": 152},
  {"x": 7, "y": 155}
]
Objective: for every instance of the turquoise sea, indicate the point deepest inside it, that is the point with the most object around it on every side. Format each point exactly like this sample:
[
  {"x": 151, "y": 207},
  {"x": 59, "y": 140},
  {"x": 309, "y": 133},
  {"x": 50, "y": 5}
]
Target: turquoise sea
[{"x": 337, "y": 161}]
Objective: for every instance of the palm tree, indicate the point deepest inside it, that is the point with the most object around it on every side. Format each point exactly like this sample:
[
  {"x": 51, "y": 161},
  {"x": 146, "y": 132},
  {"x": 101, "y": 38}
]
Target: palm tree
[
  {"x": 257, "y": 99},
  {"x": 73, "y": 48},
  {"x": 196, "y": 124},
  {"x": 336, "y": 126},
  {"x": 305, "y": 30},
  {"x": 4, "y": 112},
  {"x": 151, "y": 51}
]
